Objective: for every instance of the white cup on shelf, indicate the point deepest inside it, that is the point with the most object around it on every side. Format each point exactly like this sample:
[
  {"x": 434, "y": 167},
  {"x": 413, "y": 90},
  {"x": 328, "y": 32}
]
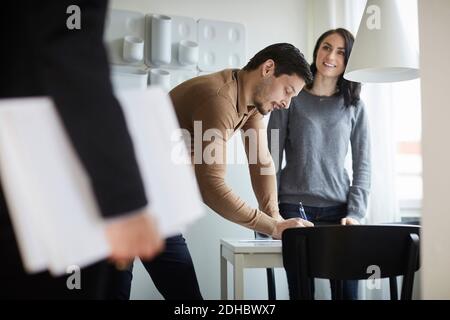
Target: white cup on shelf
[
  {"x": 160, "y": 77},
  {"x": 188, "y": 52},
  {"x": 161, "y": 40},
  {"x": 133, "y": 49}
]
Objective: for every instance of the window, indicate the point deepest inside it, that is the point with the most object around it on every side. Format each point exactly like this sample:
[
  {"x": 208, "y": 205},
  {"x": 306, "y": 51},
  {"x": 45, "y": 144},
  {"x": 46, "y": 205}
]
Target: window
[
  {"x": 406, "y": 100},
  {"x": 407, "y": 103}
]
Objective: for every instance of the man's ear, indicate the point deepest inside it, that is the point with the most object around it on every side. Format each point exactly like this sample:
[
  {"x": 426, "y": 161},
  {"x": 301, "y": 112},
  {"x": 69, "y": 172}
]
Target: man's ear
[{"x": 268, "y": 68}]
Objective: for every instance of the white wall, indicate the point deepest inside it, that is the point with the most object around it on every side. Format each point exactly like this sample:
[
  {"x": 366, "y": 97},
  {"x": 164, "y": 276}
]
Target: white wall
[
  {"x": 266, "y": 22},
  {"x": 434, "y": 24}
]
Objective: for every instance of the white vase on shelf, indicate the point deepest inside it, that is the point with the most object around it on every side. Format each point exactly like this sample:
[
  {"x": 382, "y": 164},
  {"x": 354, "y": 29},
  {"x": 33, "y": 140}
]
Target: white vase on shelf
[{"x": 161, "y": 40}]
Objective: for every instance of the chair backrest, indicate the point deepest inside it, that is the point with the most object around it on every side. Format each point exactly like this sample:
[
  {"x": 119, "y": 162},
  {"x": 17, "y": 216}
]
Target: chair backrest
[{"x": 352, "y": 252}]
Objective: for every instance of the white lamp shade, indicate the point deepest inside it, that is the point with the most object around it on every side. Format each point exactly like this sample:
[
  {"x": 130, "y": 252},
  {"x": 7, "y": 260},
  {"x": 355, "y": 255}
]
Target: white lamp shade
[{"x": 382, "y": 52}]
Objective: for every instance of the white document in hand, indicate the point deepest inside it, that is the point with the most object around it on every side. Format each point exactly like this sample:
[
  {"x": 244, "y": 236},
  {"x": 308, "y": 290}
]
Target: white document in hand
[{"x": 52, "y": 206}]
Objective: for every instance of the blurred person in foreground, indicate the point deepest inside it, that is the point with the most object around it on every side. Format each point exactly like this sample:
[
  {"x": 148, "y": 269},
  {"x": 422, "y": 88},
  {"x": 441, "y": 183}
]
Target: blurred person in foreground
[{"x": 43, "y": 57}]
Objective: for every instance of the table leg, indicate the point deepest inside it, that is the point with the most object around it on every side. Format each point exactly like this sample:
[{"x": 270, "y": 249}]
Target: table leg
[
  {"x": 223, "y": 278},
  {"x": 238, "y": 276}
]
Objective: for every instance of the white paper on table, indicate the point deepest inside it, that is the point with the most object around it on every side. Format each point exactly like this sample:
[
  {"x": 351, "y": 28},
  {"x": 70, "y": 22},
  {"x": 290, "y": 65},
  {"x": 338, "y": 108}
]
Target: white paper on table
[
  {"x": 52, "y": 206},
  {"x": 259, "y": 241}
]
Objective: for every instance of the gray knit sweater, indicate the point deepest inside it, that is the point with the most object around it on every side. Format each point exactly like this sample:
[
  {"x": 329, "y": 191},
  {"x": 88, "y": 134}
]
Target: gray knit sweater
[{"x": 315, "y": 133}]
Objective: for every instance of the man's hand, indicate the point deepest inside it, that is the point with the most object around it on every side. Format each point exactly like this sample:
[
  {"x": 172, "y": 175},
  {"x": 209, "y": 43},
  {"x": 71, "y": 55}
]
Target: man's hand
[
  {"x": 135, "y": 236},
  {"x": 349, "y": 222},
  {"x": 289, "y": 223}
]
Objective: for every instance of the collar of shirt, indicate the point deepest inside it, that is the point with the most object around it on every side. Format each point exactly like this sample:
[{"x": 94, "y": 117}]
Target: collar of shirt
[{"x": 242, "y": 104}]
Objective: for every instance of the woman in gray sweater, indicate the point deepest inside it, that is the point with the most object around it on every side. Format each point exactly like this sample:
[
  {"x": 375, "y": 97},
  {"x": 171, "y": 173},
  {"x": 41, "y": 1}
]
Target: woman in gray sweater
[{"x": 315, "y": 133}]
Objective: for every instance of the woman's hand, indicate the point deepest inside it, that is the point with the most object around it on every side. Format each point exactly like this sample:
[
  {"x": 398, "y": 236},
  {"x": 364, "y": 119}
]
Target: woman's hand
[{"x": 349, "y": 222}]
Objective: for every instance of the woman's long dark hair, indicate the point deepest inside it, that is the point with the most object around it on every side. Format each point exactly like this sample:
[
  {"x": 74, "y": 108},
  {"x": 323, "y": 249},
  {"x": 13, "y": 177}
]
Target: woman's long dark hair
[{"x": 349, "y": 89}]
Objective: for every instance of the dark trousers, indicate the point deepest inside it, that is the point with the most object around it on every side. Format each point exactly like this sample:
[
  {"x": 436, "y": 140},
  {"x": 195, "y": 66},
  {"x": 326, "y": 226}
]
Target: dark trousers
[
  {"x": 15, "y": 283},
  {"x": 172, "y": 272},
  {"x": 321, "y": 216}
]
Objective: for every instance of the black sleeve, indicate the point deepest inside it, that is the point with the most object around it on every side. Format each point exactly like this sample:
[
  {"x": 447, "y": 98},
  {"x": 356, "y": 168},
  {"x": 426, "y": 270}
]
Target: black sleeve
[{"x": 75, "y": 73}]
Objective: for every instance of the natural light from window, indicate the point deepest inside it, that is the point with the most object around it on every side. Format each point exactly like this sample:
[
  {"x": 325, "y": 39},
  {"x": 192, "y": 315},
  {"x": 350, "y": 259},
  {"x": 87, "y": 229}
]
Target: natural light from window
[{"x": 407, "y": 102}]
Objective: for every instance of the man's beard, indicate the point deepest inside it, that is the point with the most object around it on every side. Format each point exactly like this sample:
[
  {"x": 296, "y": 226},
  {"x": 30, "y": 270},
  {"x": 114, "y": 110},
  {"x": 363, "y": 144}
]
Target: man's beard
[
  {"x": 259, "y": 95},
  {"x": 259, "y": 106}
]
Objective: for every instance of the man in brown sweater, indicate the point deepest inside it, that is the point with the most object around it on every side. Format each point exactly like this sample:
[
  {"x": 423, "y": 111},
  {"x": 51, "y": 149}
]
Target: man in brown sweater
[
  {"x": 211, "y": 109},
  {"x": 215, "y": 106}
]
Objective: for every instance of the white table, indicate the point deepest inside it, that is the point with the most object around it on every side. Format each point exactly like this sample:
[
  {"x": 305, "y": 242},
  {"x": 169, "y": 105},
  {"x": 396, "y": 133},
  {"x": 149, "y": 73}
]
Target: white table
[{"x": 246, "y": 254}]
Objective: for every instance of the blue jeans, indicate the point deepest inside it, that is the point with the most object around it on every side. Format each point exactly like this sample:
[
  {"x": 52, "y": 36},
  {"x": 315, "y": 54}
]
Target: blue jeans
[
  {"x": 172, "y": 272},
  {"x": 322, "y": 216}
]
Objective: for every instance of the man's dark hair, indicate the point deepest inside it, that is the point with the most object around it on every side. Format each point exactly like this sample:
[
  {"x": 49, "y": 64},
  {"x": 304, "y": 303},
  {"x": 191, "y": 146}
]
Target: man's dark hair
[{"x": 288, "y": 60}]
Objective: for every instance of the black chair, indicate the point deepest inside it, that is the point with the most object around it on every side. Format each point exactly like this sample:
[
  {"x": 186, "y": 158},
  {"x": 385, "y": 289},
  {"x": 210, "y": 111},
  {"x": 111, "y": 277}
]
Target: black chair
[
  {"x": 345, "y": 253},
  {"x": 271, "y": 290}
]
